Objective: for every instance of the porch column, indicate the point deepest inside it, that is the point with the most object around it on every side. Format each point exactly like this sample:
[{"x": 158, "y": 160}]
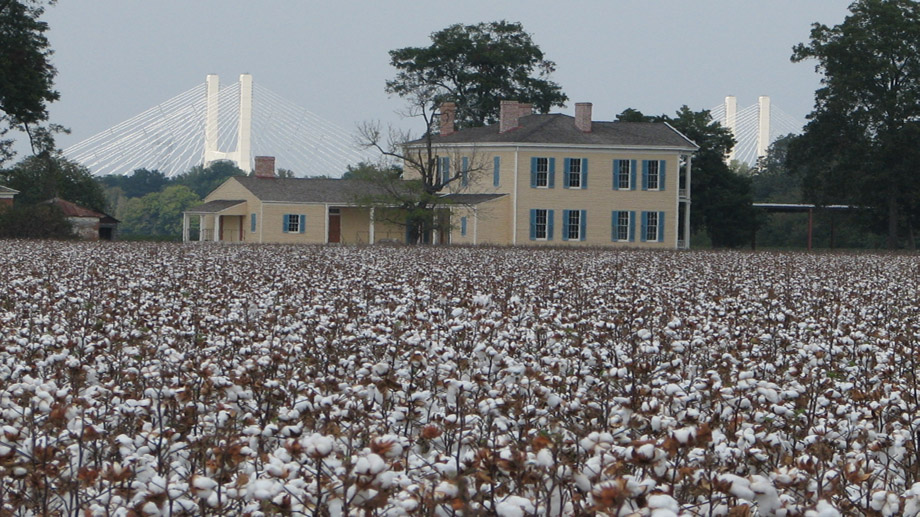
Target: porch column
[
  {"x": 475, "y": 225},
  {"x": 370, "y": 239},
  {"x": 200, "y": 227},
  {"x": 216, "y": 228},
  {"x": 687, "y": 204},
  {"x": 185, "y": 226}
]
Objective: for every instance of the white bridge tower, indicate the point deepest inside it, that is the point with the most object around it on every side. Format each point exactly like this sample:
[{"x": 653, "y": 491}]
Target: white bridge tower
[
  {"x": 744, "y": 130},
  {"x": 242, "y": 155}
]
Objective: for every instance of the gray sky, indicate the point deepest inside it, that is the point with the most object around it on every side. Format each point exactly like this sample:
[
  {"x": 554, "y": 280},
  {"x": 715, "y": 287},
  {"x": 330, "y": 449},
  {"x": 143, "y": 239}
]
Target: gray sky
[{"x": 117, "y": 58}]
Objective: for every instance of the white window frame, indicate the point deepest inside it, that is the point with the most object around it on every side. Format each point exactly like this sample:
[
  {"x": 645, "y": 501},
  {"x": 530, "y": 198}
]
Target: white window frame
[
  {"x": 573, "y": 175},
  {"x": 537, "y": 225},
  {"x": 573, "y": 225},
  {"x": 293, "y": 223},
  {"x": 542, "y": 172},
  {"x": 624, "y": 174},
  {"x": 651, "y": 226},
  {"x": 623, "y": 226},
  {"x": 653, "y": 166}
]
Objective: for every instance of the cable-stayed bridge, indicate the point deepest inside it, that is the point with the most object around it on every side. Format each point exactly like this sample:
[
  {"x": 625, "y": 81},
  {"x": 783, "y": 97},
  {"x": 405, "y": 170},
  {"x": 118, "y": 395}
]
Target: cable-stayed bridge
[
  {"x": 208, "y": 123},
  {"x": 755, "y": 127},
  {"x": 244, "y": 120}
]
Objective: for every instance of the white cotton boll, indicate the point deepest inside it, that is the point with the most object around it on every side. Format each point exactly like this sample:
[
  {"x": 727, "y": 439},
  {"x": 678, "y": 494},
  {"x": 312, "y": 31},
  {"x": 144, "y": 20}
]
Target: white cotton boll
[
  {"x": 740, "y": 487},
  {"x": 371, "y": 464},
  {"x": 683, "y": 436},
  {"x": 514, "y": 506},
  {"x": 262, "y": 489},
  {"x": 765, "y": 494},
  {"x": 150, "y": 508},
  {"x": 823, "y": 509},
  {"x": 446, "y": 490},
  {"x": 663, "y": 502},
  {"x": 203, "y": 483},
  {"x": 545, "y": 458},
  {"x": 644, "y": 334}
]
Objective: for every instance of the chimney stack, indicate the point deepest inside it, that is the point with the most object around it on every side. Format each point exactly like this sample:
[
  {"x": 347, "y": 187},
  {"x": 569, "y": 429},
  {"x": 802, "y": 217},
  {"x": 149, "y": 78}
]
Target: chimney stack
[
  {"x": 524, "y": 109},
  {"x": 448, "y": 115},
  {"x": 508, "y": 116},
  {"x": 583, "y": 116},
  {"x": 265, "y": 166}
]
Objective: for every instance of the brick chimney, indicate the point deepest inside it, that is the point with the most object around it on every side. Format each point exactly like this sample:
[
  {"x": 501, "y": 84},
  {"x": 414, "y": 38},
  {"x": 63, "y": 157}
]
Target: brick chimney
[
  {"x": 524, "y": 109},
  {"x": 508, "y": 116},
  {"x": 265, "y": 166},
  {"x": 583, "y": 116},
  {"x": 448, "y": 115}
]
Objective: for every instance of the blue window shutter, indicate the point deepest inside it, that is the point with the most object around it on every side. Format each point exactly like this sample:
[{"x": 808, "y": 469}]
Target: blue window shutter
[
  {"x": 632, "y": 226},
  {"x": 644, "y": 174},
  {"x": 252, "y": 223},
  {"x": 616, "y": 174},
  {"x": 496, "y": 171},
  {"x": 464, "y": 171},
  {"x": 566, "y": 167},
  {"x": 303, "y": 223},
  {"x": 662, "y": 165},
  {"x": 533, "y": 224},
  {"x": 463, "y": 226},
  {"x": 552, "y": 172},
  {"x": 533, "y": 172},
  {"x": 565, "y": 225},
  {"x": 286, "y": 221},
  {"x": 584, "y": 173},
  {"x": 632, "y": 175},
  {"x": 614, "y": 219},
  {"x": 660, "y": 226},
  {"x": 550, "y": 215},
  {"x": 643, "y": 231},
  {"x": 583, "y": 220}
]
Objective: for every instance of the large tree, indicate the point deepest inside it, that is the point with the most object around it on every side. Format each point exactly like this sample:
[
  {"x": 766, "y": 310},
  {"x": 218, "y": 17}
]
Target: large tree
[
  {"x": 26, "y": 76},
  {"x": 477, "y": 66},
  {"x": 860, "y": 144},
  {"x": 721, "y": 198},
  {"x": 44, "y": 176}
]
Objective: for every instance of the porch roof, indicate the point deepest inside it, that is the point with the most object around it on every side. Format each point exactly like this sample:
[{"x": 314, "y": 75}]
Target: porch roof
[
  {"x": 214, "y": 207},
  {"x": 472, "y": 199}
]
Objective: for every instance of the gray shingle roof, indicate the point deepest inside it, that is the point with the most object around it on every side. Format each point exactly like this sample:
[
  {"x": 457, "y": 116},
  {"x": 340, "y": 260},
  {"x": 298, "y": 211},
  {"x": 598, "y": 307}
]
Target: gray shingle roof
[
  {"x": 560, "y": 129},
  {"x": 307, "y": 190},
  {"x": 7, "y": 190},
  {"x": 213, "y": 207}
]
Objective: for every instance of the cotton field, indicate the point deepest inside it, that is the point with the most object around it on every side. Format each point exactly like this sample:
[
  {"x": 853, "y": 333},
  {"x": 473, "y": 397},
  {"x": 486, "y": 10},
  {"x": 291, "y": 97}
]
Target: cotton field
[{"x": 155, "y": 379}]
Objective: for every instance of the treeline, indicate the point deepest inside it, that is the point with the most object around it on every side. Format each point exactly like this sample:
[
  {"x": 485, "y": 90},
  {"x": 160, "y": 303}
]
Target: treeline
[{"x": 150, "y": 205}]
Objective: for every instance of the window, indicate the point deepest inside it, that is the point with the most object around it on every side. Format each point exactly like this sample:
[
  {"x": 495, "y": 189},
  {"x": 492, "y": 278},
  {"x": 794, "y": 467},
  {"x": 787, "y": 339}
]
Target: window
[
  {"x": 294, "y": 223},
  {"x": 624, "y": 173},
  {"x": 652, "y": 175},
  {"x": 573, "y": 173},
  {"x": 542, "y": 172},
  {"x": 252, "y": 223},
  {"x": 622, "y": 226},
  {"x": 574, "y": 221},
  {"x": 496, "y": 171},
  {"x": 541, "y": 224},
  {"x": 465, "y": 171},
  {"x": 444, "y": 169},
  {"x": 652, "y": 226},
  {"x": 463, "y": 226}
]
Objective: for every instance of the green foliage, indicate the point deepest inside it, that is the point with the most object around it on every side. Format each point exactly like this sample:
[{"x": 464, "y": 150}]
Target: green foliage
[
  {"x": 772, "y": 180},
  {"x": 860, "y": 144},
  {"x": 366, "y": 170},
  {"x": 158, "y": 213},
  {"x": 139, "y": 183},
  {"x": 41, "y": 221},
  {"x": 476, "y": 66},
  {"x": 26, "y": 74},
  {"x": 44, "y": 176},
  {"x": 721, "y": 198},
  {"x": 202, "y": 180}
]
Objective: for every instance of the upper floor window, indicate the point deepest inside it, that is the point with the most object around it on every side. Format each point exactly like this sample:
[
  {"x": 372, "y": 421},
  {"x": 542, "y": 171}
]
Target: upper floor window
[
  {"x": 444, "y": 169},
  {"x": 652, "y": 175},
  {"x": 624, "y": 174},
  {"x": 573, "y": 173},
  {"x": 542, "y": 172}
]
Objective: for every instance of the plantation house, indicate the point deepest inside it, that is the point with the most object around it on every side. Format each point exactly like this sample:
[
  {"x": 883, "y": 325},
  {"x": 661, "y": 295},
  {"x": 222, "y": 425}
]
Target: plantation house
[{"x": 530, "y": 179}]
